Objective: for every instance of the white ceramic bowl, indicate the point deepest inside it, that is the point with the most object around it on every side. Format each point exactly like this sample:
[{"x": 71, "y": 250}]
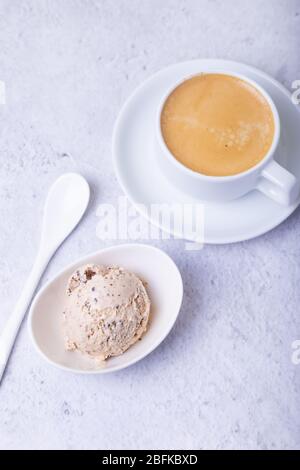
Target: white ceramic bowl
[{"x": 164, "y": 285}]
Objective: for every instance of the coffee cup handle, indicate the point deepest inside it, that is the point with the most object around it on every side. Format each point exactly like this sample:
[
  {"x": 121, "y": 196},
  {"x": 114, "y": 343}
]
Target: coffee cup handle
[{"x": 279, "y": 184}]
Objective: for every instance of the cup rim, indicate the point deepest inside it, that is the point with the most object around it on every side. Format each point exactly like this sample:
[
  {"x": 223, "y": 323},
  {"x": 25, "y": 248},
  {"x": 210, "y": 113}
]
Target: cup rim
[{"x": 215, "y": 178}]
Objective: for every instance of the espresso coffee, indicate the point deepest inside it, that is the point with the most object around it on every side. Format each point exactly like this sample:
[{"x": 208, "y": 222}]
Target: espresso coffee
[{"x": 217, "y": 124}]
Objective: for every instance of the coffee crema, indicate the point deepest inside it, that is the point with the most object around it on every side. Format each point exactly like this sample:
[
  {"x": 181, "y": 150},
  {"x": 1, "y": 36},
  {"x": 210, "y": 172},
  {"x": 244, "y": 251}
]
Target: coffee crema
[{"x": 217, "y": 124}]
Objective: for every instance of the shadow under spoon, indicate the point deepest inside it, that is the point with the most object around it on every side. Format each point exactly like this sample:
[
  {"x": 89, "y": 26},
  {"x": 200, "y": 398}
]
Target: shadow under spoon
[{"x": 65, "y": 205}]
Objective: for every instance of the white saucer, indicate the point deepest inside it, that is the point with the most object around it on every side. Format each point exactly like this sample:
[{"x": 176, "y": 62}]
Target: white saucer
[{"x": 141, "y": 179}]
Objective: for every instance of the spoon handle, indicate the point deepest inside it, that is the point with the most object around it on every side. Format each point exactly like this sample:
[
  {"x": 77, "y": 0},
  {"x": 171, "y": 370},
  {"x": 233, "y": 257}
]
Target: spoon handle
[{"x": 11, "y": 328}]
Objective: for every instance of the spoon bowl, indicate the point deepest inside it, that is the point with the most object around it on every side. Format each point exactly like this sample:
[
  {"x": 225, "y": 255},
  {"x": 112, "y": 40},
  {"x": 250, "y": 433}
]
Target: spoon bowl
[
  {"x": 164, "y": 286},
  {"x": 66, "y": 203}
]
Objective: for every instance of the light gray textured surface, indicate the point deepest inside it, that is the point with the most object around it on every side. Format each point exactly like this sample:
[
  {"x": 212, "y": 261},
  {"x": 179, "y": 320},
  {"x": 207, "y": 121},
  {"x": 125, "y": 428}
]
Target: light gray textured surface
[{"x": 224, "y": 377}]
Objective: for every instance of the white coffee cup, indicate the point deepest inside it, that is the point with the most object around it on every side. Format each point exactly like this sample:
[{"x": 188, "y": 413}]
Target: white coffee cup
[{"x": 267, "y": 176}]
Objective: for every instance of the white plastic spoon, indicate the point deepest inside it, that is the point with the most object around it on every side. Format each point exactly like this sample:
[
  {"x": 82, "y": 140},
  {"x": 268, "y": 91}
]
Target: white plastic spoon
[{"x": 65, "y": 205}]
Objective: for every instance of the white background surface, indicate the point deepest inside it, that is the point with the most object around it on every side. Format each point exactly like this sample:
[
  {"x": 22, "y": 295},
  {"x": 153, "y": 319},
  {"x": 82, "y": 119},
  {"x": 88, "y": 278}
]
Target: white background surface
[{"x": 224, "y": 377}]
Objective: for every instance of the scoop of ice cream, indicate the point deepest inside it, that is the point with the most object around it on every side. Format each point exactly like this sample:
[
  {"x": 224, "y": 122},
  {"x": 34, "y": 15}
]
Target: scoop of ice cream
[{"x": 107, "y": 310}]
